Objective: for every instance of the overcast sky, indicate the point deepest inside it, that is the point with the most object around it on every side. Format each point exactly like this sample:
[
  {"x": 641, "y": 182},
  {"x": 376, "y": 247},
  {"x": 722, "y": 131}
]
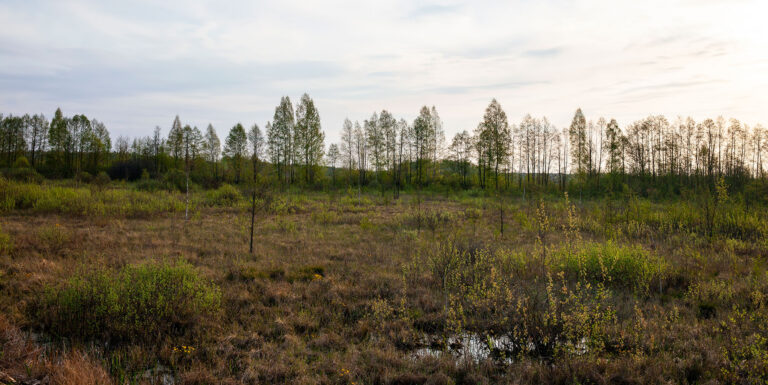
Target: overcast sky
[{"x": 136, "y": 64}]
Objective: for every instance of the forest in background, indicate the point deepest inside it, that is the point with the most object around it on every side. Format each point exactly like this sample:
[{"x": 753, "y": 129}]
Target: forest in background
[{"x": 652, "y": 156}]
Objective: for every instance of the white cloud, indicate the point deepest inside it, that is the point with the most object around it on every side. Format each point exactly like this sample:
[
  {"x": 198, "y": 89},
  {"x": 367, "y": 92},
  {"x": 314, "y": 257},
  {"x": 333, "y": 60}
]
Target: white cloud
[{"x": 135, "y": 65}]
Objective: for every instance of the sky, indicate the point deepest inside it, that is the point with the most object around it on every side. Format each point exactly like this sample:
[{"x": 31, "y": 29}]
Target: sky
[{"x": 136, "y": 64}]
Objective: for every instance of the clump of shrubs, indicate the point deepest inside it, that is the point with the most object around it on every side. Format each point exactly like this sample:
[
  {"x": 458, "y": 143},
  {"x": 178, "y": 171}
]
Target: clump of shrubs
[
  {"x": 22, "y": 171},
  {"x": 101, "y": 180},
  {"x": 616, "y": 265},
  {"x": 226, "y": 195},
  {"x": 140, "y": 303},
  {"x": 84, "y": 177}
]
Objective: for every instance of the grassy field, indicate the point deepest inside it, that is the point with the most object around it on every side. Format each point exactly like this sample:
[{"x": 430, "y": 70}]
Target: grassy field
[{"x": 113, "y": 285}]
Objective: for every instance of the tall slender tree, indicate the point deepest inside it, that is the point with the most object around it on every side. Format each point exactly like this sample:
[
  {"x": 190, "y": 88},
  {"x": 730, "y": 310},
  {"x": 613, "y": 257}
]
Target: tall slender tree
[
  {"x": 212, "y": 149},
  {"x": 309, "y": 137},
  {"x": 256, "y": 139},
  {"x": 236, "y": 147}
]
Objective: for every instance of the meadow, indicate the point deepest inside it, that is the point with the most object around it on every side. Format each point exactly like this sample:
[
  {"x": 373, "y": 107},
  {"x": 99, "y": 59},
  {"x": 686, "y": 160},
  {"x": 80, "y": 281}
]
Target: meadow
[{"x": 112, "y": 284}]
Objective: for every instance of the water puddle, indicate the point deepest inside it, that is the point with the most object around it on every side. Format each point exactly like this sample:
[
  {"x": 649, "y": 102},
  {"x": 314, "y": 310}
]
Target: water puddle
[{"x": 478, "y": 347}]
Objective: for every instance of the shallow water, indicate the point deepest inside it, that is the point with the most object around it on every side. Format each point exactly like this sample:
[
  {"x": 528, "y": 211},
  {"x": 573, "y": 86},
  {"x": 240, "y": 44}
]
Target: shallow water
[{"x": 478, "y": 347}]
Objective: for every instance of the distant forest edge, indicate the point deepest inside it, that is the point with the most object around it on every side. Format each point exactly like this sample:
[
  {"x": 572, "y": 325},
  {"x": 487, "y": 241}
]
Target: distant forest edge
[{"x": 652, "y": 156}]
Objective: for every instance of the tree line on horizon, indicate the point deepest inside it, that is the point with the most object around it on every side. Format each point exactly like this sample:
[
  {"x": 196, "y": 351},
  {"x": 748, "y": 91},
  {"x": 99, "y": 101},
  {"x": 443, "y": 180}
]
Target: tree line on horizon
[{"x": 387, "y": 152}]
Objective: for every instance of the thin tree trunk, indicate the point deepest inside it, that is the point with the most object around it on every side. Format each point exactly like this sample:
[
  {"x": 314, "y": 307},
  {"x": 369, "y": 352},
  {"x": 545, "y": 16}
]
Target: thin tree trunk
[{"x": 253, "y": 215}]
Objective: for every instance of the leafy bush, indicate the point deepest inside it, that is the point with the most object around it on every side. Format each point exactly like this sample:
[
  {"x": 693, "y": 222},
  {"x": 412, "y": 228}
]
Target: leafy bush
[
  {"x": 141, "y": 302},
  {"x": 226, "y": 195},
  {"x": 629, "y": 266},
  {"x": 21, "y": 162},
  {"x": 28, "y": 175},
  {"x": 147, "y": 184},
  {"x": 84, "y": 177},
  {"x": 101, "y": 180},
  {"x": 175, "y": 180}
]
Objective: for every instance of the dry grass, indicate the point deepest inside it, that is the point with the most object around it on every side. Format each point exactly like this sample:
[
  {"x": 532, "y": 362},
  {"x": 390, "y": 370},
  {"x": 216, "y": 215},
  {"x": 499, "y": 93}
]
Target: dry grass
[
  {"x": 24, "y": 360},
  {"x": 338, "y": 293}
]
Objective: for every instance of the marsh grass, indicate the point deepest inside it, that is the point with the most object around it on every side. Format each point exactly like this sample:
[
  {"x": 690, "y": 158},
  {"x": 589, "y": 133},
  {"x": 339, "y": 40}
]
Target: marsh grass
[
  {"x": 82, "y": 201},
  {"x": 337, "y": 281}
]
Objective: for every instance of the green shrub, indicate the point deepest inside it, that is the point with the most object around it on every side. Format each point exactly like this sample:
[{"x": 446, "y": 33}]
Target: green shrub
[
  {"x": 84, "y": 177},
  {"x": 175, "y": 180},
  {"x": 28, "y": 175},
  {"x": 629, "y": 266},
  {"x": 150, "y": 185},
  {"x": 140, "y": 303},
  {"x": 6, "y": 243},
  {"x": 101, "y": 180},
  {"x": 21, "y": 162},
  {"x": 226, "y": 195}
]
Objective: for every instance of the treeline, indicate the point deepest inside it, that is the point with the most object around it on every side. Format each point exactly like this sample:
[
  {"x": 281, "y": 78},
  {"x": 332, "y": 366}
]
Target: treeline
[{"x": 390, "y": 153}]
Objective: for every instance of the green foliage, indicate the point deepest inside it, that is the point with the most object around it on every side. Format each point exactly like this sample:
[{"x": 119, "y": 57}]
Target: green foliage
[
  {"x": 146, "y": 184},
  {"x": 609, "y": 263},
  {"x": 366, "y": 223},
  {"x": 53, "y": 238},
  {"x": 6, "y": 243},
  {"x": 745, "y": 352},
  {"x": 709, "y": 296},
  {"x": 306, "y": 273},
  {"x": 175, "y": 179},
  {"x": 84, "y": 201},
  {"x": 102, "y": 179},
  {"x": 325, "y": 216},
  {"x": 84, "y": 177},
  {"x": 27, "y": 175},
  {"x": 299, "y": 274},
  {"x": 226, "y": 195},
  {"x": 21, "y": 162},
  {"x": 139, "y": 303}
]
